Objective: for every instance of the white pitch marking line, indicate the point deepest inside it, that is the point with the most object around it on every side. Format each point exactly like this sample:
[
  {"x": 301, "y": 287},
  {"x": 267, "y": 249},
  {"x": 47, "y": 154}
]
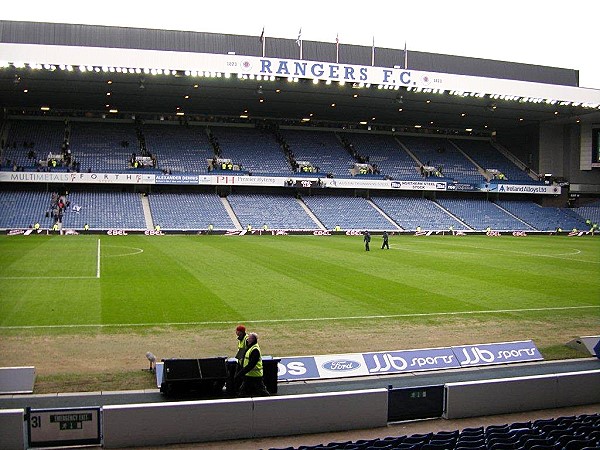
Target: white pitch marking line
[
  {"x": 557, "y": 256},
  {"x": 136, "y": 252},
  {"x": 316, "y": 319},
  {"x": 98, "y": 261}
]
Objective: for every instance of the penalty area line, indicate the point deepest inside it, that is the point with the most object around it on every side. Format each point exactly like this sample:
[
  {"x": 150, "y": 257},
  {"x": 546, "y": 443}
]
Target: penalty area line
[
  {"x": 314, "y": 319},
  {"x": 63, "y": 277}
]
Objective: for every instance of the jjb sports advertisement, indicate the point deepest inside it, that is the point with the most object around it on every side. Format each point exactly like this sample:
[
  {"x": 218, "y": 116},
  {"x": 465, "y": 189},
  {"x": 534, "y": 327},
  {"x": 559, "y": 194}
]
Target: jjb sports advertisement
[{"x": 399, "y": 361}]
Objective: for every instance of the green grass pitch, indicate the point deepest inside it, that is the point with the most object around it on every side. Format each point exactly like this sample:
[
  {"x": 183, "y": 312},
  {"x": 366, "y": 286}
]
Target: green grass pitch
[{"x": 56, "y": 283}]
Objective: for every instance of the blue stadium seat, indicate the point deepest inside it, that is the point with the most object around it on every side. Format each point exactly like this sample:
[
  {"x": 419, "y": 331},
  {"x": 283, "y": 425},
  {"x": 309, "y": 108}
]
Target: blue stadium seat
[
  {"x": 257, "y": 151},
  {"x": 349, "y": 213},
  {"x": 321, "y": 148},
  {"x": 441, "y": 153},
  {"x": 278, "y": 212},
  {"x": 488, "y": 157},
  {"x": 189, "y": 211}
]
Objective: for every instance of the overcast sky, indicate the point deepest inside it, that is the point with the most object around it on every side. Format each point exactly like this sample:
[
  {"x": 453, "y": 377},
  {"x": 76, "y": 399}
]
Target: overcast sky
[{"x": 555, "y": 33}]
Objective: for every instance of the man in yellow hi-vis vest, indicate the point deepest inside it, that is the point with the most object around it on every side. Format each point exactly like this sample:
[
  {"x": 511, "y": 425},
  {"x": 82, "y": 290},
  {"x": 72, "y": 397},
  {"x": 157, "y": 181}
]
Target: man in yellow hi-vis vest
[{"x": 252, "y": 370}]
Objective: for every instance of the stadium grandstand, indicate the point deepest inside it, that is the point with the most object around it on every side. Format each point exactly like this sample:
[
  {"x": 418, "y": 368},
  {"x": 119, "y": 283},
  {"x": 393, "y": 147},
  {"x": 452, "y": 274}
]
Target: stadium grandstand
[
  {"x": 247, "y": 124},
  {"x": 119, "y": 130}
]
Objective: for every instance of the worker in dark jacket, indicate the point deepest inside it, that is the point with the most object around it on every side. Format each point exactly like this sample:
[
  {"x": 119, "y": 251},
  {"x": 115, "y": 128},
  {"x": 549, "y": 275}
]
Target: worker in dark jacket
[
  {"x": 240, "y": 331},
  {"x": 385, "y": 243}
]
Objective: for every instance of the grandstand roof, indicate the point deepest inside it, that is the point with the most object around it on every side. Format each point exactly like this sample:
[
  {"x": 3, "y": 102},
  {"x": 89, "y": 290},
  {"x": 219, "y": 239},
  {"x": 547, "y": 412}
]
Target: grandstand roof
[{"x": 97, "y": 92}]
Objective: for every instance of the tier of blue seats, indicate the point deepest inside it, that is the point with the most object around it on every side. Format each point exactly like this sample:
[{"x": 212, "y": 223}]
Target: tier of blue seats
[
  {"x": 187, "y": 211},
  {"x": 98, "y": 146},
  {"x": 385, "y": 151},
  {"x": 102, "y": 210},
  {"x": 561, "y": 433},
  {"x": 487, "y": 157},
  {"x": 441, "y": 153},
  {"x": 179, "y": 148},
  {"x": 322, "y": 148},
  {"x": 274, "y": 211},
  {"x": 543, "y": 219},
  {"x": 413, "y": 212},
  {"x": 47, "y": 137},
  {"x": 590, "y": 211},
  {"x": 481, "y": 214},
  {"x": 255, "y": 150},
  {"x": 23, "y": 209},
  {"x": 349, "y": 213}
]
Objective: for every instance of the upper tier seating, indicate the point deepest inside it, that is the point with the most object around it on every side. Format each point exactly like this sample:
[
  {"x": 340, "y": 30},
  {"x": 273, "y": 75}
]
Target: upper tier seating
[
  {"x": 322, "y": 149},
  {"x": 384, "y": 150},
  {"x": 46, "y": 137},
  {"x": 275, "y": 211},
  {"x": 543, "y": 219},
  {"x": 349, "y": 213},
  {"x": 99, "y": 146},
  {"x": 179, "y": 148},
  {"x": 487, "y": 157},
  {"x": 189, "y": 211},
  {"x": 255, "y": 150},
  {"x": 413, "y": 212},
  {"x": 441, "y": 153},
  {"x": 481, "y": 214}
]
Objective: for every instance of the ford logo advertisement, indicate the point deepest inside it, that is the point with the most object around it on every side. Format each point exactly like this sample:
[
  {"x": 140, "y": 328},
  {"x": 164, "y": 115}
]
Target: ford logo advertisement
[
  {"x": 341, "y": 365},
  {"x": 346, "y": 365}
]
